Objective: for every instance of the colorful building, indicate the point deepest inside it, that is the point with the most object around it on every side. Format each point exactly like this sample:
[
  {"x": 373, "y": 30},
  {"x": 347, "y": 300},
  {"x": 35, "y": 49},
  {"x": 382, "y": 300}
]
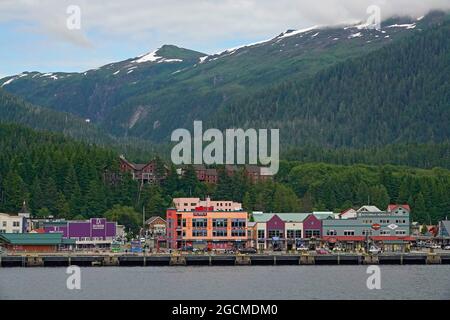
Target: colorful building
[
  {"x": 205, "y": 227},
  {"x": 190, "y": 204},
  {"x": 288, "y": 230},
  {"x": 388, "y": 229},
  {"x": 95, "y": 232}
]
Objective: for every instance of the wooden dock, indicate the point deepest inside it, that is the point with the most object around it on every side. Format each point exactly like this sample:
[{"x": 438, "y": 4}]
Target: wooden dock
[{"x": 122, "y": 260}]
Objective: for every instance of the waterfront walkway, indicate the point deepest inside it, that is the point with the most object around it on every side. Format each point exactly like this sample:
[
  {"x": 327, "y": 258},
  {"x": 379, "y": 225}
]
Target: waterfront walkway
[{"x": 120, "y": 259}]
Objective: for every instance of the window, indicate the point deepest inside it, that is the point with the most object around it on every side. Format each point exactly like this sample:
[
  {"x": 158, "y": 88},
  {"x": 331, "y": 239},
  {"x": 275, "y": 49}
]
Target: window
[
  {"x": 199, "y": 223},
  {"x": 220, "y": 223},
  {"x": 199, "y": 233},
  {"x": 331, "y": 233},
  {"x": 349, "y": 232},
  {"x": 219, "y": 233},
  {"x": 312, "y": 233},
  {"x": 238, "y": 233},
  {"x": 4, "y": 223},
  {"x": 238, "y": 223},
  {"x": 366, "y": 232},
  {"x": 275, "y": 233},
  {"x": 400, "y": 232},
  {"x": 261, "y": 234},
  {"x": 184, "y": 223},
  {"x": 385, "y": 232}
]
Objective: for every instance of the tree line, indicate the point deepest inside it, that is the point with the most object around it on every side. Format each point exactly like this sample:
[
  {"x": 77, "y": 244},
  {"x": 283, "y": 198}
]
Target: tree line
[{"x": 64, "y": 178}]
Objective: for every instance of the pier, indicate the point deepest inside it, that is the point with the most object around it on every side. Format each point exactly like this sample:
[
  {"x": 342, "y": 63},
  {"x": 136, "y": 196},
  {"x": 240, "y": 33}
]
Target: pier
[{"x": 128, "y": 260}]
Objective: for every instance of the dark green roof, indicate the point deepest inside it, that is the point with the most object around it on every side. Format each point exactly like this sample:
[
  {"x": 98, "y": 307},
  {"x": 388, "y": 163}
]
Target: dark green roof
[{"x": 31, "y": 238}]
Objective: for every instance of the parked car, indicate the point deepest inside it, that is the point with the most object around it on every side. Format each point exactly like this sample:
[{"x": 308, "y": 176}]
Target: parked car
[
  {"x": 374, "y": 250},
  {"x": 322, "y": 251},
  {"x": 302, "y": 248},
  {"x": 435, "y": 246},
  {"x": 247, "y": 250},
  {"x": 447, "y": 247}
]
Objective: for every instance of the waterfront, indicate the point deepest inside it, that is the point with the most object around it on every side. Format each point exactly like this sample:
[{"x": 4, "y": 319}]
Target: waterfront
[{"x": 226, "y": 283}]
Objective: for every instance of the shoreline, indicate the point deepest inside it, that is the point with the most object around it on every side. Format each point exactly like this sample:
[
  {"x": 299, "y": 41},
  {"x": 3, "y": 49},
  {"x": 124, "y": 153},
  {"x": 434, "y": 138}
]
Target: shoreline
[{"x": 130, "y": 260}]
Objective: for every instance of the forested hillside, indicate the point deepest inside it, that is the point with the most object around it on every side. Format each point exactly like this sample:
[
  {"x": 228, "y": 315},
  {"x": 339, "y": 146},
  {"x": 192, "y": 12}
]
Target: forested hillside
[
  {"x": 324, "y": 86},
  {"x": 60, "y": 177},
  {"x": 399, "y": 93}
]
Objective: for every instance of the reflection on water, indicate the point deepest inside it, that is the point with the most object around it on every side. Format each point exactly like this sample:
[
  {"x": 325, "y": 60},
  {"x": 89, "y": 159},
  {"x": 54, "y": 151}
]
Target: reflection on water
[{"x": 246, "y": 282}]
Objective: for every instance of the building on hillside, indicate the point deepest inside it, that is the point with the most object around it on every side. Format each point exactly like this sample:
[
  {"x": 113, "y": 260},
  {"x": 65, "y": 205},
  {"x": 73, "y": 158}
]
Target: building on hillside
[
  {"x": 211, "y": 175},
  {"x": 88, "y": 234},
  {"x": 190, "y": 204},
  {"x": 33, "y": 242},
  {"x": 144, "y": 172},
  {"x": 206, "y": 228},
  {"x": 388, "y": 229}
]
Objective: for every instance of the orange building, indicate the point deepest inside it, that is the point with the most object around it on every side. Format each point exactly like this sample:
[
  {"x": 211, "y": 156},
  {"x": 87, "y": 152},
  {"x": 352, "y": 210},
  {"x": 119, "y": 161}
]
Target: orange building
[{"x": 204, "y": 227}]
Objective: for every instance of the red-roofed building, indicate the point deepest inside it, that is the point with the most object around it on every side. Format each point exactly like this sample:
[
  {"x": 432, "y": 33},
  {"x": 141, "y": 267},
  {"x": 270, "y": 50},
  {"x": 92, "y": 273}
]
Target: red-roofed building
[{"x": 396, "y": 207}]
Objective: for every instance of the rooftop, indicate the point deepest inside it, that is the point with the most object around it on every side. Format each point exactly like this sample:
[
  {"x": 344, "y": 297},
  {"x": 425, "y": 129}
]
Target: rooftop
[{"x": 31, "y": 238}]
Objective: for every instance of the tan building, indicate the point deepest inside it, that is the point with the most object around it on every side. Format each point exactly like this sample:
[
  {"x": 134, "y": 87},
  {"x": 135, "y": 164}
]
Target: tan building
[{"x": 190, "y": 204}]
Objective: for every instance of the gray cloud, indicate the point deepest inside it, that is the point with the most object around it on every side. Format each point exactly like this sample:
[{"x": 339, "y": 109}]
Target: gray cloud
[
  {"x": 197, "y": 20},
  {"x": 197, "y": 24}
]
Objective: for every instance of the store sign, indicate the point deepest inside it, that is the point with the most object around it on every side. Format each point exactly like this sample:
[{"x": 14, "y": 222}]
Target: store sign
[
  {"x": 376, "y": 226},
  {"x": 392, "y": 226},
  {"x": 200, "y": 214}
]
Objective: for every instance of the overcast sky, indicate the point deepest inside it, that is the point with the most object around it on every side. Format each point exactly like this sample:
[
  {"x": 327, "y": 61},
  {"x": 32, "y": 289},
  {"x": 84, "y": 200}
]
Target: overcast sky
[{"x": 34, "y": 34}]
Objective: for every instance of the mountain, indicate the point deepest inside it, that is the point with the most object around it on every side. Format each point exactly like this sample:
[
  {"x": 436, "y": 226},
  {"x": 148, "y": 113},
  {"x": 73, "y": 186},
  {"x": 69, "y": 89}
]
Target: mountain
[
  {"x": 91, "y": 94},
  {"x": 14, "y": 109},
  {"x": 398, "y": 93},
  {"x": 326, "y": 86}
]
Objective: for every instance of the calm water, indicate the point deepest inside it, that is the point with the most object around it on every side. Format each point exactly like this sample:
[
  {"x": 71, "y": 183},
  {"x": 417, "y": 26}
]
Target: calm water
[{"x": 256, "y": 282}]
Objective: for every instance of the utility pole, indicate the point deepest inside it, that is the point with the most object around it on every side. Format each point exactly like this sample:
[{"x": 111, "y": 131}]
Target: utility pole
[{"x": 143, "y": 220}]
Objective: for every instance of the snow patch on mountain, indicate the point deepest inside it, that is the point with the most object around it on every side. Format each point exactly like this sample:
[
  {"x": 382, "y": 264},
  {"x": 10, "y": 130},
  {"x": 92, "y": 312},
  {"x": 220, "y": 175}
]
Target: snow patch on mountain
[
  {"x": 355, "y": 35},
  {"x": 153, "y": 57},
  {"x": 407, "y": 26},
  {"x": 14, "y": 78},
  {"x": 291, "y": 33}
]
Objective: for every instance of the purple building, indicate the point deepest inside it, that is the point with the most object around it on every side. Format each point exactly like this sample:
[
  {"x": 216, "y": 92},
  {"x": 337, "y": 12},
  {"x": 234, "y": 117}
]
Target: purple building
[
  {"x": 95, "y": 232},
  {"x": 312, "y": 227}
]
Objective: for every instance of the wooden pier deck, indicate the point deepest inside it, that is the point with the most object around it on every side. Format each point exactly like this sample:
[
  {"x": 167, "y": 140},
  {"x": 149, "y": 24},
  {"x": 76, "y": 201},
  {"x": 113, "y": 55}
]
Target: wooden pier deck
[{"x": 118, "y": 260}]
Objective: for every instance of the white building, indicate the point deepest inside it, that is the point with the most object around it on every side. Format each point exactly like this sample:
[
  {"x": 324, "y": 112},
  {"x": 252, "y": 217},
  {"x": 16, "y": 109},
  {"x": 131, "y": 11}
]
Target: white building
[{"x": 11, "y": 223}]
